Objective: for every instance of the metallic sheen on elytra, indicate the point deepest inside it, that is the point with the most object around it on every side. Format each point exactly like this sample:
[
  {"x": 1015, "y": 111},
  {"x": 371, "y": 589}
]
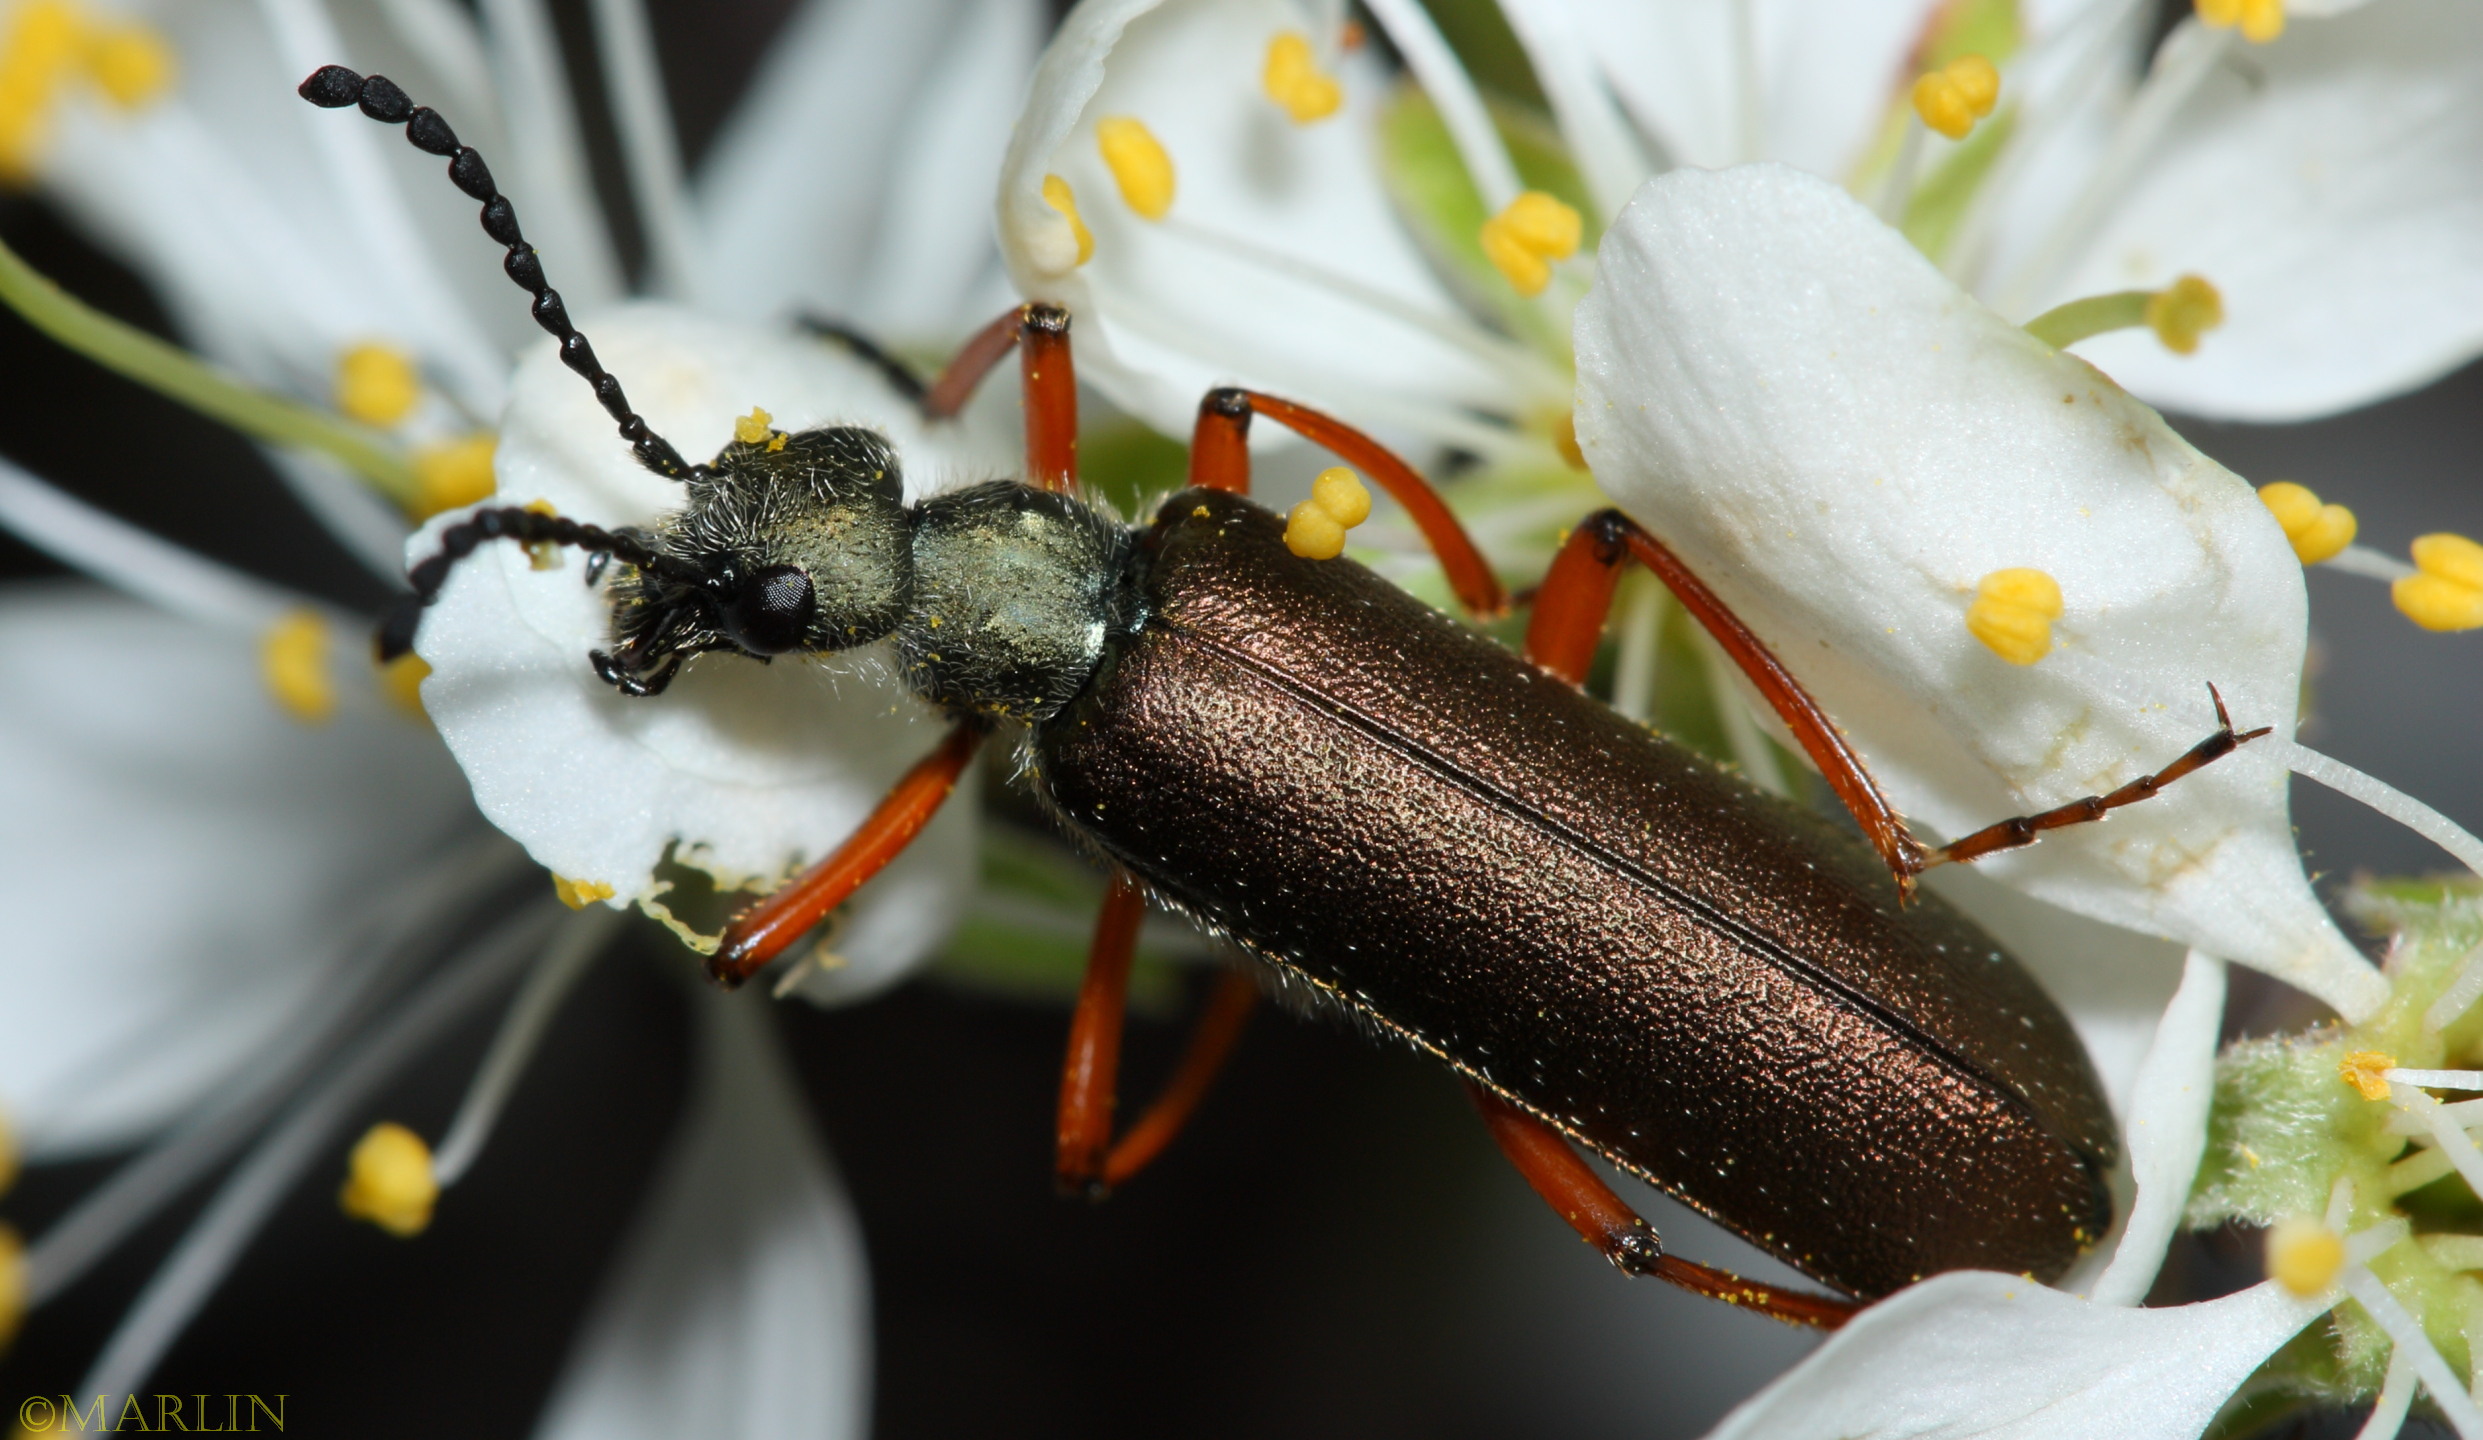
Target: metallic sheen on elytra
[{"x": 1713, "y": 988}]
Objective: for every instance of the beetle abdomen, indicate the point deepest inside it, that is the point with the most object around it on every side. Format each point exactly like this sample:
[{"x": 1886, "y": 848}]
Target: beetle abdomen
[{"x": 1713, "y": 988}]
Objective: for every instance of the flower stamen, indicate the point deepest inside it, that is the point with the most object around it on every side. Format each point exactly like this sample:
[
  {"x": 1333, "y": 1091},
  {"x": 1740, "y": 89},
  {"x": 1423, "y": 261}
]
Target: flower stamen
[
  {"x": 2446, "y": 590},
  {"x": 1293, "y": 79},
  {"x": 1058, "y": 195},
  {"x": 293, "y": 660},
  {"x": 1953, "y": 97},
  {"x": 2260, "y": 20},
  {"x": 2317, "y": 531},
  {"x": 1139, "y": 164},
  {"x": 578, "y": 894},
  {"x": 377, "y": 384},
  {"x": 453, "y": 474},
  {"x": 389, "y": 1181},
  {"x": 2013, "y": 612},
  {"x": 1338, "y": 502},
  {"x": 1527, "y": 236},
  {"x": 401, "y": 681},
  {"x": 2304, "y": 1255},
  {"x": 50, "y": 43},
  {"x": 2178, "y": 314},
  {"x": 2367, "y": 1071}
]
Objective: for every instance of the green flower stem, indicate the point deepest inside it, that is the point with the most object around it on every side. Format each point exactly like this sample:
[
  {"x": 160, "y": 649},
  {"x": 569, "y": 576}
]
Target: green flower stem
[
  {"x": 170, "y": 370},
  {"x": 2066, "y": 325}
]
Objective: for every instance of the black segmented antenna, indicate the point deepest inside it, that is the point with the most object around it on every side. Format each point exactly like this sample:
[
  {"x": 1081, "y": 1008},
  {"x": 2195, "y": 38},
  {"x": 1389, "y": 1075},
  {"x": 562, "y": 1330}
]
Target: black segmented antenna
[
  {"x": 333, "y": 87},
  {"x": 527, "y": 527}
]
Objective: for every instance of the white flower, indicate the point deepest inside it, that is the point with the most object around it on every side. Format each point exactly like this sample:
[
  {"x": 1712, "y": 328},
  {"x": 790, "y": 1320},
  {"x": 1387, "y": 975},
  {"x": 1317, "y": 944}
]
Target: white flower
[
  {"x": 281, "y": 893},
  {"x": 1845, "y": 445}
]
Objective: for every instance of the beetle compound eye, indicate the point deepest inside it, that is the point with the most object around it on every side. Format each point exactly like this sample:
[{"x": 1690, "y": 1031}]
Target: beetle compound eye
[{"x": 773, "y": 611}]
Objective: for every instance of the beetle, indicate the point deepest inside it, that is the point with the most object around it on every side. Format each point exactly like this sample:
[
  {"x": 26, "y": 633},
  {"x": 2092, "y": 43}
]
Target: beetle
[{"x": 1612, "y": 941}]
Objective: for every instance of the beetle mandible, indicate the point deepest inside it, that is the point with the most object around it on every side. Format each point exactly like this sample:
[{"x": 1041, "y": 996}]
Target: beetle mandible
[{"x": 1612, "y": 941}]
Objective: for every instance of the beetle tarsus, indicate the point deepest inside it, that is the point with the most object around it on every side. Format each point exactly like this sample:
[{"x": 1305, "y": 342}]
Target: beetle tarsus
[{"x": 1637, "y": 1250}]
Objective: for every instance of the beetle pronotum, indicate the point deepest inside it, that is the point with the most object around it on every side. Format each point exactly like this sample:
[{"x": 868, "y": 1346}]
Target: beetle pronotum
[{"x": 1611, "y": 940}]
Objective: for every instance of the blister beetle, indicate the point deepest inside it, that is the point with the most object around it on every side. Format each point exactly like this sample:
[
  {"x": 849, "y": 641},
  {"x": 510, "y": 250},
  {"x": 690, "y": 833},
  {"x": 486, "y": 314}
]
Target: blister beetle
[{"x": 1613, "y": 941}]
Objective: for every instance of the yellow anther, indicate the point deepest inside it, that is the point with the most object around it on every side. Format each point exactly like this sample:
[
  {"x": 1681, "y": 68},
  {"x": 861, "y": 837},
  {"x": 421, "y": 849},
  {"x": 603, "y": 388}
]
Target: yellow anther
[
  {"x": 2012, "y": 613},
  {"x": 1565, "y": 440},
  {"x": 754, "y": 427},
  {"x": 1058, "y": 195},
  {"x": 131, "y": 63},
  {"x": 377, "y": 385},
  {"x": 1523, "y": 240},
  {"x": 2184, "y": 310},
  {"x": 542, "y": 554},
  {"x": 1313, "y": 533},
  {"x": 12, "y": 1285},
  {"x": 2318, "y": 532},
  {"x": 1977, "y": 80},
  {"x": 1293, "y": 79},
  {"x": 388, "y": 1180},
  {"x": 1953, "y": 97},
  {"x": 1316, "y": 528},
  {"x": 38, "y": 50},
  {"x": 401, "y": 681},
  {"x": 453, "y": 473},
  {"x": 2446, "y": 590},
  {"x": 1138, "y": 164},
  {"x": 2304, "y": 1256},
  {"x": 2367, "y": 1071},
  {"x": 578, "y": 894},
  {"x": 2260, "y": 20},
  {"x": 1339, "y": 492},
  {"x": 293, "y": 659}
]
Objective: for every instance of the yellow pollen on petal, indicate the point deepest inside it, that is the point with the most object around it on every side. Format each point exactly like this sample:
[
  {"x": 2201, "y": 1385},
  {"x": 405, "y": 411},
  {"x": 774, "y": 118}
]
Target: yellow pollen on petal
[
  {"x": 389, "y": 1181},
  {"x": 401, "y": 681},
  {"x": 1293, "y": 79},
  {"x": 2304, "y": 1255},
  {"x": 293, "y": 660},
  {"x": 754, "y": 427},
  {"x": 578, "y": 894},
  {"x": 2318, "y": 532},
  {"x": 2367, "y": 1071},
  {"x": 12, "y": 1285},
  {"x": 1524, "y": 239},
  {"x": 377, "y": 385},
  {"x": 2446, "y": 590},
  {"x": 2184, "y": 310},
  {"x": 2012, "y": 614},
  {"x": 1138, "y": 164},
  {"x": 453, "y": 473},
  {"x": 131, "y": 64},
  {"x": 1058, "y": 195},
  {"x": 1338, "y": 502}
]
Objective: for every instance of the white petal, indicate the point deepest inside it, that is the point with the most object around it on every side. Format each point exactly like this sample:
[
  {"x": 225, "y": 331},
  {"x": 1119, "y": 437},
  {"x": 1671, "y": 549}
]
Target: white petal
[
  {"x": 1165, "y": 311},
  {"x": 180, "y": 857},
  {"x": 2331, "y": 188},
  {"x": 740, "y": 1305},
  {"x": 1977, "y": 1354},
  {"x": 854, "y": 178},
  {"x": 750, "y": 770},
  {"x": 1843, "y": 444},
  {"x": 2112, "y": 983},
  {"x": 2167, "y": 1128},
  {"x": 1825, "y": 71}
]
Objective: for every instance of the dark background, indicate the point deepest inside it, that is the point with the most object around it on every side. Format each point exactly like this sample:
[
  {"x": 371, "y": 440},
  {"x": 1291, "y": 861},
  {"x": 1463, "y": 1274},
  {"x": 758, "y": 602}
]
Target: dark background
[{"x": 1334, "y": 1249}]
